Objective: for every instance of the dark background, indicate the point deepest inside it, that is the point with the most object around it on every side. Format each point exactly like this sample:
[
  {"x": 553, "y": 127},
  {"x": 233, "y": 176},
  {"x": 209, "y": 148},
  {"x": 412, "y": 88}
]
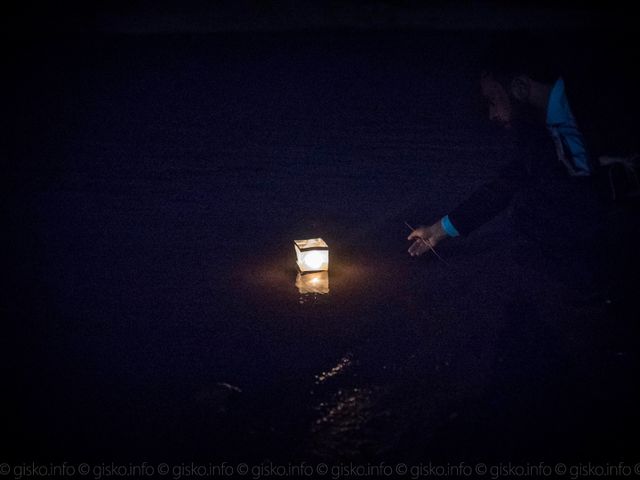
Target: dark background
[
  {"x": 165, "y": 16},
  {"x": 159, "y": 159}
]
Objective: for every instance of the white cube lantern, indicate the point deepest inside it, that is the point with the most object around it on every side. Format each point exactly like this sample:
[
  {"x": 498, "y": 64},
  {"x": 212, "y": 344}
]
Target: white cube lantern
[
  {"x": 312, "y": 255},
  {"x": 313, "y": 282}
]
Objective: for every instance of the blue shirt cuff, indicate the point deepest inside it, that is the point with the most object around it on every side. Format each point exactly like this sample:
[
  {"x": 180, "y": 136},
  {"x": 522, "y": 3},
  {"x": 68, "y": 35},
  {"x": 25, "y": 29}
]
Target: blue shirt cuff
[{"x": 448, "y": 227}]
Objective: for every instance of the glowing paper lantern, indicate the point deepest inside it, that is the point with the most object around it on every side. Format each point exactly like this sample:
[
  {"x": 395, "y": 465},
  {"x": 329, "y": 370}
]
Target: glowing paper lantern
[
  {"x": 313, "y": 282},
  {"x": 312, "y": 255}
]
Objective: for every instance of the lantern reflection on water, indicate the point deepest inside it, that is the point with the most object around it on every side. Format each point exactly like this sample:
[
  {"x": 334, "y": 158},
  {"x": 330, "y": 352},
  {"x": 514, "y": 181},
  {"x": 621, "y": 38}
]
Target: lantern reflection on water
[{"x": 313, "y": 282}]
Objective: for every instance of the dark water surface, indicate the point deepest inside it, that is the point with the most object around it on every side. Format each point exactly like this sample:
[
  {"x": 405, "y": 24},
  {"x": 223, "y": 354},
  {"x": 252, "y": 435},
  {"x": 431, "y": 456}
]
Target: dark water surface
[{"x": 156, "y": 187}]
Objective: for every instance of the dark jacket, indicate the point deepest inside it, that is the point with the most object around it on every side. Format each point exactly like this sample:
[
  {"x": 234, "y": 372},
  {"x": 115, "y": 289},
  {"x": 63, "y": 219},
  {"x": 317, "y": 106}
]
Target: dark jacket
[
  {"x": 536, "y": 184},
  {"x": 544, "y": 195}
]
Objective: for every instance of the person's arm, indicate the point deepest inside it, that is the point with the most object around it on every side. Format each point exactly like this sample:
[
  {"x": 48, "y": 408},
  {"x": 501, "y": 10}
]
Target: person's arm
[
  {"x": 481, "y": 206},
  {"x": 487, "y": 200}
]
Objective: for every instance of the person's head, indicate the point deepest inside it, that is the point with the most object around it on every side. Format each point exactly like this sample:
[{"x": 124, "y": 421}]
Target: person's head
[{"x": 516, "y": 77}]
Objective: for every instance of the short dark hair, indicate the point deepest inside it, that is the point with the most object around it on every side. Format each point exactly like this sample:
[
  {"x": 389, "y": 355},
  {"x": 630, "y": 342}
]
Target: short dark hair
[{"x": 510, "y": 54}]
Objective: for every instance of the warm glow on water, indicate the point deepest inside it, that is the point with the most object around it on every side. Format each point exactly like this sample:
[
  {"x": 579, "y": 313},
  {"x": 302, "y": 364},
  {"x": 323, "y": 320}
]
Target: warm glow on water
[
  {"x": 274, "y": 283},
  {"x": 313, "y": 283}
]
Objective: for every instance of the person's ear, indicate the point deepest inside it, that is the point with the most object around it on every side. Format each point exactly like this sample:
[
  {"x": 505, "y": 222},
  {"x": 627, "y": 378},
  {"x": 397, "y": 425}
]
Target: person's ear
[{"x": 520, "y": 88}]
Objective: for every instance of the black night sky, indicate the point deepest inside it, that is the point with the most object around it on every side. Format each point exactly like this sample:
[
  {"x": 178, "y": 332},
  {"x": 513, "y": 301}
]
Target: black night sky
[{"x": 160, "y": 158}]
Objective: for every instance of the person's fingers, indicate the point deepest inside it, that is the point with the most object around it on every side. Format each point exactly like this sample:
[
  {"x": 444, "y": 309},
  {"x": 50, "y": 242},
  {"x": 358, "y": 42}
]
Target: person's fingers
[
  {"x": 414, "y": 234},
  {"x": 417, "y": 248},
  {"x": 418, "y": 233},
  {"x": 413, "y": 249}
]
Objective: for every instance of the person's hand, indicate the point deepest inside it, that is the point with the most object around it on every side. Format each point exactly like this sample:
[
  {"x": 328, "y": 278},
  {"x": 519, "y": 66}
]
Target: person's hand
[{"x": 425, "y": 236}]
